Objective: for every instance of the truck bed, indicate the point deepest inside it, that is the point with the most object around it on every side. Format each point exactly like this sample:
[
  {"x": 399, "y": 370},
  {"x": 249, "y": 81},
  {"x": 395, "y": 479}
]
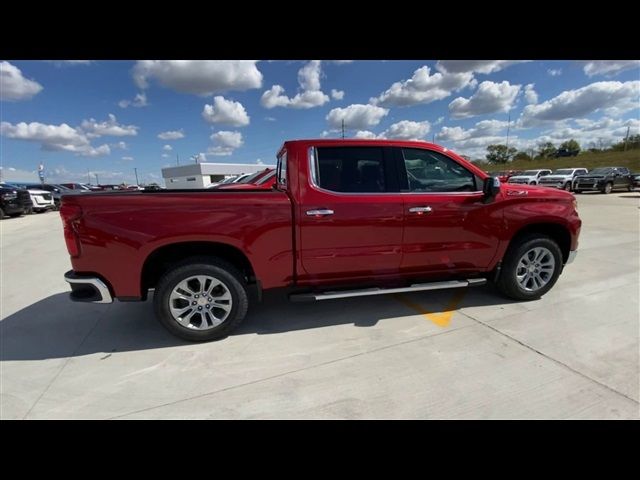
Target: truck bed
[{"x": 118, "y": 231}]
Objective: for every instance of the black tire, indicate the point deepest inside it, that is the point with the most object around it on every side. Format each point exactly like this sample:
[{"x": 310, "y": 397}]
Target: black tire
[
  {"x": 28, "y": 211},
  {"x": 507, "y": 283},
  {"x": 577, "y": 191},
  {"x": 533, "y": 183},
  {"x": 567, "y": 186},
  {"x": 1, "y": 214},
  {"x": 211, "y": 266},
  {"x": 608, "y": 188},
  {"x": 630, "y": 188}
]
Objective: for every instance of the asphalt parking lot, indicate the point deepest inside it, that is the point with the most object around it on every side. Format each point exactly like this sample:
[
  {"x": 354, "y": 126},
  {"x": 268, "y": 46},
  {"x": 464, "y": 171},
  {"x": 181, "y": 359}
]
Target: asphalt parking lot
[{"x": 448, "y": 354}]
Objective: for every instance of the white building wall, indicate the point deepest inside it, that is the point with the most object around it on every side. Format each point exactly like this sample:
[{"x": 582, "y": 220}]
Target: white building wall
[{"x": 199, "y": 181}]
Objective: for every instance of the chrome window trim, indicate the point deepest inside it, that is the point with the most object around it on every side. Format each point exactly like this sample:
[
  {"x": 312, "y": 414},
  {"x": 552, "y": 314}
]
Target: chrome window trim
[{"x": 313, "y": 156}]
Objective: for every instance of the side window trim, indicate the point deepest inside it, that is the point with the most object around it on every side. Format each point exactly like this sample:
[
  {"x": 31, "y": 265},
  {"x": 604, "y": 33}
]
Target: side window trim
[{"x": 403, "y": 177}]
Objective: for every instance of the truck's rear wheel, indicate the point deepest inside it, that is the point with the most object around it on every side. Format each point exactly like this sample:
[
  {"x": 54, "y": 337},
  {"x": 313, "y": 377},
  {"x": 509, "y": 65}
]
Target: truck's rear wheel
[
  {"x": 607, "y": 188},
  {"x": 530, "y": 268},
  {"x": 201, "y": 299}
]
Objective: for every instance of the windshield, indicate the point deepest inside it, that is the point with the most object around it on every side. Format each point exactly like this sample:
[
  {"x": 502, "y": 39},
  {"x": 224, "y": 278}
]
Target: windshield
[
  {"x": 563, "y": 171},
  {"x": 529, "y": 173},
  {"x": 267, "y": 177},
  {"x": 599, "y": 171},
  {"x": 250, "y": 178}
]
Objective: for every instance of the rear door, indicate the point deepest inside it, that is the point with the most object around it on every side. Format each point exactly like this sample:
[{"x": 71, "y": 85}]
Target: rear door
[
  {"x": 448, "y": 227},
  {"x": 350, "y": 214}
]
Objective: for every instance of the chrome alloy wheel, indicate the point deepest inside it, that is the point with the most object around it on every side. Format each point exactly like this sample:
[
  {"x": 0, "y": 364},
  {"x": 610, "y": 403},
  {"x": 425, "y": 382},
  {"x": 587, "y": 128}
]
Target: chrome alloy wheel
[
  {"x": 535, "y": 269},
  {"x": 200, "y": 302}
]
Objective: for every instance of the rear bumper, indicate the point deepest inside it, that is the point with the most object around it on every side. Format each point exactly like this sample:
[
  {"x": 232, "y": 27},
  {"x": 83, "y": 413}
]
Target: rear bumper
[
  {"x": 572, "y": 256},
  {"x": 87, "y": 288}
]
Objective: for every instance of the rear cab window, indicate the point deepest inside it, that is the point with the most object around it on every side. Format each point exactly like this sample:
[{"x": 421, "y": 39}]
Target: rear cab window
[{"x": 348, "y": 169}]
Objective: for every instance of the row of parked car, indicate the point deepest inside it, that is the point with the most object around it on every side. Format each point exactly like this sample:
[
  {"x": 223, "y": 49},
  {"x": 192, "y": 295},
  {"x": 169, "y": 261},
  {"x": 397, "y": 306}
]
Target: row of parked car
[
  {"x": 262, "y": 180},
  {"x": 18, "y": 199},
  {"x": 578, "y": 180}
]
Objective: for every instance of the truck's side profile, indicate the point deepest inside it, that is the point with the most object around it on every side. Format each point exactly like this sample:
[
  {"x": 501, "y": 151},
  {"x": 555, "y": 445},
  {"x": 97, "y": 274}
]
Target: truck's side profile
[{"x": 345, "y": 218}]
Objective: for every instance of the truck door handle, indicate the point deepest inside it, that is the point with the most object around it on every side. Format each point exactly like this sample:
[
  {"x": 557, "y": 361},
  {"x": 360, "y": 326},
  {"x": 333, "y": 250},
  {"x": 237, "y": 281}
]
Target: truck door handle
[
  {"x": 320, "y": 212},
  {"x": 420, "y": 210}
]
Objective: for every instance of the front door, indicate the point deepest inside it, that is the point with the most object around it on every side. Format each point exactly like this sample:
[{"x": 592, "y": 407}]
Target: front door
[
  {"x": 350, "y": 219},
  {"x": 447, "y": 226}
]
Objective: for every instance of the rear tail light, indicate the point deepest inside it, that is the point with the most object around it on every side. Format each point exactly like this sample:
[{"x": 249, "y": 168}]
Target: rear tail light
[{"x": 70, "y": 215}]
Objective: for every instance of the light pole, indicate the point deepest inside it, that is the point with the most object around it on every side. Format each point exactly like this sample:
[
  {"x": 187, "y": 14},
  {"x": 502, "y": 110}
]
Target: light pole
[
  {"x": 97, "y": 181},
  {"x": 136, "y": 170}
]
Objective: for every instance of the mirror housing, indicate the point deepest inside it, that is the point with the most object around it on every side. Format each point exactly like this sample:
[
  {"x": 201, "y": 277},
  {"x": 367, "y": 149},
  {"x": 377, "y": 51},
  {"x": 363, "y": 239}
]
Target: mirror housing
[{"x": 491, "y": 187}]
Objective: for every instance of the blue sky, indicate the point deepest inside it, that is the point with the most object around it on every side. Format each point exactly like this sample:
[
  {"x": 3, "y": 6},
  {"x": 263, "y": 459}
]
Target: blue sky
[{"x": 107, "y": 117}]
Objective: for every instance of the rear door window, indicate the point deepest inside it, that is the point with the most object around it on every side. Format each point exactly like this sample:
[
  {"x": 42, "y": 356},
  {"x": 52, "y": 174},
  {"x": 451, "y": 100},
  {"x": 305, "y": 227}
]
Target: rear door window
[{"x": 350, "y": 169}]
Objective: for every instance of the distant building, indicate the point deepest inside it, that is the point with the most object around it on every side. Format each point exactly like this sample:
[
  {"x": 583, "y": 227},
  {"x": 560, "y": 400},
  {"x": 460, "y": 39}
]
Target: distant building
[{"x": 201, "y": 175}]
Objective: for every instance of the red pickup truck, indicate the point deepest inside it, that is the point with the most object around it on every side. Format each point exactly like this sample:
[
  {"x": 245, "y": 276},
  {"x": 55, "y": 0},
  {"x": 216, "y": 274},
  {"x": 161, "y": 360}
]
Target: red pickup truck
[{"x": 345, "y": 218}]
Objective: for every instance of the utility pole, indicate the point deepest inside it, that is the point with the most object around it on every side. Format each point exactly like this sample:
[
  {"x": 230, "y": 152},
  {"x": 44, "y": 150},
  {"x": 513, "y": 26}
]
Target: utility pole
[
  {"x": 433, "y": 139},
  {"x": 343, "y": 128},
  {"x": 626, "y": 139},
  {"x": 136, "y": 170},
  {"x": 177, "y": 159},
  {"x": 97, "y": 181},
  {"x": 508, "y": 128},
  {"x": 88, "y": 177}
]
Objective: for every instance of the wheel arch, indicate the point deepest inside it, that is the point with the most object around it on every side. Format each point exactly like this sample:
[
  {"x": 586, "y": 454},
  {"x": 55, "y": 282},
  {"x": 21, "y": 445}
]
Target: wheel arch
[
  {"x": 558, "y": 232},
  {"x": 163, "y": 258}
]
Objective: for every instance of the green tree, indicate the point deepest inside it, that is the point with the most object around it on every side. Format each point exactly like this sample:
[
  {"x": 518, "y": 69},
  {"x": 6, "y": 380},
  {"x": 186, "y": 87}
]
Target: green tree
[
  {"x": 546, "y": 150},
  {"x": 632, "y": 143},
  {"x": 499, "y": 153},
  {"x": 570, "y": 146},
  {"x": 522, "y": 156}
]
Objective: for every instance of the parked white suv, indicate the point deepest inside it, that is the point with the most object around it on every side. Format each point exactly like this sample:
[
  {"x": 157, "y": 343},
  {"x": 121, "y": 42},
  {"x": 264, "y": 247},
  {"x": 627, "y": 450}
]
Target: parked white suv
[
  {"x": 41, "y": 200},
  {"x": 529, "y": 177},
  {"x": 562, "y": 178}
]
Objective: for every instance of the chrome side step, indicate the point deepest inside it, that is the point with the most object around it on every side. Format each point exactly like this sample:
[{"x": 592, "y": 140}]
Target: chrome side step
[{"x": 418, "y": 287}]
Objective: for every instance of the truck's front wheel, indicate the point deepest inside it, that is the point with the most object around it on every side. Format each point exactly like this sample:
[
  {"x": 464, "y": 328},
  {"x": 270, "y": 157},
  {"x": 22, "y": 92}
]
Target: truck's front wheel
[
  {"x": 201, "y": 299},
  {"x": 530, "y": 268}
]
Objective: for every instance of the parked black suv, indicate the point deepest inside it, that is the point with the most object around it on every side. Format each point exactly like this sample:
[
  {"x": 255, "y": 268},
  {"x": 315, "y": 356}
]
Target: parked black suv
[
  {"x": 605, "y": 179},
  {"x": 13, "y": 201}
]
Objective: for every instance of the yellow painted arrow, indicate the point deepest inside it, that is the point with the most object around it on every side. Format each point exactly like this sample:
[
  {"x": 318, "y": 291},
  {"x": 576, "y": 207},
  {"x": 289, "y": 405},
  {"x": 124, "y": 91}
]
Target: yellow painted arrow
[{"x": 442, "y": 319}]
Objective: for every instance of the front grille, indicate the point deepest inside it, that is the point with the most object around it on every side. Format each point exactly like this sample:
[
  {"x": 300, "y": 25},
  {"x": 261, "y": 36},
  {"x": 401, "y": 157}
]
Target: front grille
[{"x": 24, "y": 198}]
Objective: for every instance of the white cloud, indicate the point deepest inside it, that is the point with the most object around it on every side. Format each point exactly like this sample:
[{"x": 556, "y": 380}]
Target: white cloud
[
  {"x": 140, "y": 100},
  {"x": 310, "y": 95},
  {"x": 341, "y": 62},
  {"x": 128, "y": 159},
  {"x": 225, "y": 112},
  {"x": 71, "y": 63},
  {"x": 54, "y": 138},
  {"x": 365, "y": 134},
  {"x": 225, "y": 142},
  {"x": 171, "y": 135},
  {"x": 609, "y": 68},
  {"x": 14, "y": 86},
  {"x": 611, "y": 97},
  {"x": 270, "y": 119},
  {"x": 407, "y": 130},
  {"x": 591, "y": 133},
  {"x": 120, "y": 145},
  {"x": 554, "y": 72},
  {"x": 423, "y": 87},
  {"x": 356, "y": 116},
  {"x": 109, "y": 127},
  {"x": 490, "y": 97},
  {"x": 201, "y": 157},
  {"x": 259, "y": 161},
  {"x": 439, "y": 121},
  {"x": 530, "y": 95},
  {"x": 337, "y": 94},
  {"x": 485, "y": 128},
  {"x": 165, "y": 155},
  {"x": 476, "y": 66},
  {"x": 199, "y": 77},
  {"x": 167, "y": 148}
]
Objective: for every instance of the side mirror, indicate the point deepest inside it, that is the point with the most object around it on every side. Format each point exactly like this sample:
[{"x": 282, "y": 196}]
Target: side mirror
[{"x": 491, "y": 187}]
